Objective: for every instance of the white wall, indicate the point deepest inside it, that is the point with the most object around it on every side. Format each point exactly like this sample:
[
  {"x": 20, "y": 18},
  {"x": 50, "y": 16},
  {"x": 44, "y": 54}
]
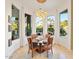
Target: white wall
[{"x": 33, "y": 24}]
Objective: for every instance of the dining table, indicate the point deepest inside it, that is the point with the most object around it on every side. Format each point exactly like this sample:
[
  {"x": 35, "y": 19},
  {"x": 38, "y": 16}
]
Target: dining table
[{"x": 40, "y": 42}]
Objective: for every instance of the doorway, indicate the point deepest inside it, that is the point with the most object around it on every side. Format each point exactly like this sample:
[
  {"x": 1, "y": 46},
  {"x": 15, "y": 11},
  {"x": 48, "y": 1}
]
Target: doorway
[{"x": 28, "y": 30}]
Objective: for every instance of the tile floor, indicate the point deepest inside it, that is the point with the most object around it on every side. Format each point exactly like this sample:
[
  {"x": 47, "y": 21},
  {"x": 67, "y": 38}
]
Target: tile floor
[{"x": 59, "y": 52}]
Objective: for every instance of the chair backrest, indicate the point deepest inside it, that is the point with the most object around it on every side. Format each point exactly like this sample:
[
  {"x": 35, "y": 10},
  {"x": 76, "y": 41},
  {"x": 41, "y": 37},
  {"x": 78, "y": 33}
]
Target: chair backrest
[
  {"x": 30, "y": 42},
  {"x": 33, "y": 36},
  {"x": 47, "y": 35},
  {"x": 50, "y": 40}
]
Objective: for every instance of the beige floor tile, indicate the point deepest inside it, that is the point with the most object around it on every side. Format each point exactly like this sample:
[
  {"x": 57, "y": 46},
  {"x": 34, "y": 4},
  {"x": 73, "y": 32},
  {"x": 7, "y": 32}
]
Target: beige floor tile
[{"x": 59, "y": 52}]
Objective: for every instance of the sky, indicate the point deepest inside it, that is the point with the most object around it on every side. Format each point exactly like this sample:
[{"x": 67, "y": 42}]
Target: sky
[
  {"x": 64, "y": 17},
  {"x": 51, "y": 17},
  {"x": 39, "y": 20}
]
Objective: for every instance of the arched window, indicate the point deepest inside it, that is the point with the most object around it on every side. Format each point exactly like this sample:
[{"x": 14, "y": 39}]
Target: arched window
[
  {"x": 39, "y": 26},
  {"x": 50, "y": 24}
]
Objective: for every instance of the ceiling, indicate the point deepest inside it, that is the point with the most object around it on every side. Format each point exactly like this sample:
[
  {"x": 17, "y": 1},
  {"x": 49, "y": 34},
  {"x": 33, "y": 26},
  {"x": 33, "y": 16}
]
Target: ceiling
[{"x": 49, "y": 4}]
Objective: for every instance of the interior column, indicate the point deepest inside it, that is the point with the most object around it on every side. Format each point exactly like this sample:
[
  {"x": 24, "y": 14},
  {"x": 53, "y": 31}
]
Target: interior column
[
  {"x": 57, "y": 28},
  {"x": 45, "y": 26},
  {"x": 33, "y": 24}
]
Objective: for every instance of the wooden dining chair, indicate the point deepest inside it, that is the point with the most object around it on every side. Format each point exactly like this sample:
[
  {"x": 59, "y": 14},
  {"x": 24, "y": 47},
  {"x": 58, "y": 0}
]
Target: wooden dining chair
[
  {"x": 34, "y": 36},
  {"x": 48, "y": 45},
  {"x": 47, "y": 35},
  {"x": 32, "y": 46}
]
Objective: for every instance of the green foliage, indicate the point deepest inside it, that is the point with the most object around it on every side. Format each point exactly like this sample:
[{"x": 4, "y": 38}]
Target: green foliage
[
  {"x": 39, "y": 29},
  {"x": 28, "y": 30},
  {"x": 62, "y": 32},
  {"x": 64, "y": 23},
  {"x": 51, "y": 30}
]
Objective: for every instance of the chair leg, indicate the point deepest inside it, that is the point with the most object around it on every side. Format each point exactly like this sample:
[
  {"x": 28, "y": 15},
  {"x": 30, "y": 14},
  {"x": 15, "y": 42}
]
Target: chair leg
[
  {"x": 32, "y": 54},
  {"x": 51, "y": 50},
  {"x": 28, "y": 51},
  {"x": 47, "y": 53}
]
